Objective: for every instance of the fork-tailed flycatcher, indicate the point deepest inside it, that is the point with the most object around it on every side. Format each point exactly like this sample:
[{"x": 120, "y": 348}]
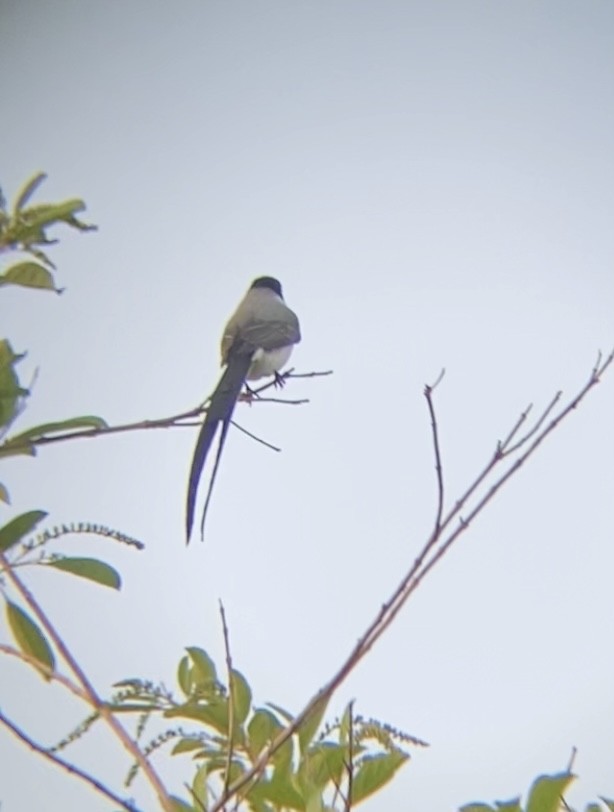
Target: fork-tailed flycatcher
[{"x": 257, "y": 342}]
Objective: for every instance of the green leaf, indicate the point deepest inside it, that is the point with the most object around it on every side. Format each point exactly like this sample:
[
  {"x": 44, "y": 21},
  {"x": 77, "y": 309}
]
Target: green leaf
[
  {"x": 4, "y": 495},
  {"x": 374, "y": 772},
  {"x": 28, "y": 190},
  {"x": 199, "y": 785},
  {"x": 345, "y": 725},
  {"x": 19, "y": 527},
  {"x": 204, "y": 667},
  {"x": 186, "y": 746},
  {"x": 241, "y": 696},
  {"x": 47, "y": 214},
  {"x": 334, "y": 758},
  {"x": 28, "y": 636},
  {"x": 314, "y": 802},
  {"x": 261, "y": 730},
  {"x": 184, "y": 674},
  {"x": 213, "y": 715},
  {"x": 7, "y": 449},
  {"x": 309, "y": 727},
  {"x": 28, "y": 275},
  {"x": 89, "y": 568},
  {"x": 285, "y": 715},
  {"x": 546, "y": 792},
  {"x": 279, "y": 791},
  {"x": 282, "y": 760},
  {"x": 10, "y": 390},
  {"x": 322, "y": 764},
  {"x": 593, "y": 808},
  {"x": 509, "y": 806},
  {"x": 45, "y": 429}
]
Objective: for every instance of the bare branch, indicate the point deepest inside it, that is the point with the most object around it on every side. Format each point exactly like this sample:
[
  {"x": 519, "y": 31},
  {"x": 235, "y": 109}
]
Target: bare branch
[
  {"x": 66, "y": 765},
  {"x": 432, "y": 551}
]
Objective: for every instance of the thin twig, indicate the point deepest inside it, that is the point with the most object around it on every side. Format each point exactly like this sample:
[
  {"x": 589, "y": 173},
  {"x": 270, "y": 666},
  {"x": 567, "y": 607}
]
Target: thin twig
[
  {"x": 231, "y": 699},
  {"x": 195, "y": 797},
  {"x": 94, "y": 700},
  {"x": 428, "y": 394},
  {"x": 255, "y": 437},
  {"x": 66, "y": 765},
  {"x": 294, "y": 374},
  {"x": 350, "y": 764},
  {"x": 515, "y": 428},
  {"x": 538, "y": 424},
  {"x": 285, "y": 401}
]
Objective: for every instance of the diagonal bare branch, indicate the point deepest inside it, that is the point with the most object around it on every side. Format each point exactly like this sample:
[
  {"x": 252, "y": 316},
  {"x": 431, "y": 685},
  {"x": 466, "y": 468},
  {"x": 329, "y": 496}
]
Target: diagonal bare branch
[
  {"x": 66, "y": 765},
  {"x": 432, "y": 551}
]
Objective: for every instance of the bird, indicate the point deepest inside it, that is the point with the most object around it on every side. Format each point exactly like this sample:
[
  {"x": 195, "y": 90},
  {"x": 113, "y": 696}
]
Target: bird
[{"x": 257, "y": 341}]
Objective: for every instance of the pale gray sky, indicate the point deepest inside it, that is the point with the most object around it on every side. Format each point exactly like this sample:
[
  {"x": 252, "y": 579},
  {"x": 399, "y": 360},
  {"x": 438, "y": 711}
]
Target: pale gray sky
[{"x": 433, "y": 183}]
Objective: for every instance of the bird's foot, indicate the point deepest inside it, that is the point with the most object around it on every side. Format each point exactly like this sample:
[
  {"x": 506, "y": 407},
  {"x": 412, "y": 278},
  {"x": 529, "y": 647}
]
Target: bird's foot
[
  {"x": 249, "y": 395},
  {"x": 280, "y": 381}
]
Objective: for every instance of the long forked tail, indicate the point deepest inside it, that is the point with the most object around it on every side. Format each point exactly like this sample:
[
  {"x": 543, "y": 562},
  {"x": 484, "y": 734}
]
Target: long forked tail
[{"x": 220, "y": 410}]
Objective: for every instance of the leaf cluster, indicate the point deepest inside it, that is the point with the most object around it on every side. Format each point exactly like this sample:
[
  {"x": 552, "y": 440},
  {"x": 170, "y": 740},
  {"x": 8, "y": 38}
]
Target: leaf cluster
[
  {"x": 24, "y": 228},
  {"x": 350, "y": 760}
]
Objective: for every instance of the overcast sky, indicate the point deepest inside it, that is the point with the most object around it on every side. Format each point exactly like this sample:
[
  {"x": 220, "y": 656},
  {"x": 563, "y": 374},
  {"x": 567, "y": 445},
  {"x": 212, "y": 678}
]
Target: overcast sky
[{"x": 433, "y": 184}]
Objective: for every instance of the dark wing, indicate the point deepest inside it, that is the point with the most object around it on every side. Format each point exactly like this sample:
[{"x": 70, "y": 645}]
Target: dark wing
[
  {"x": 270, "y": 326},
  {"x": 268, "y": 335}
]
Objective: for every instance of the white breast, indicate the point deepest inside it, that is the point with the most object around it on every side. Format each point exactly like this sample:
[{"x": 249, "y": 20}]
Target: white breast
[{"x": 268, "y": 362}]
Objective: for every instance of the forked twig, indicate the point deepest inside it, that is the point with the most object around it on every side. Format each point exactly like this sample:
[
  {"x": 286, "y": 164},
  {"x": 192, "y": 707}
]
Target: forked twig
[{"x": 538, "y": 424}]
